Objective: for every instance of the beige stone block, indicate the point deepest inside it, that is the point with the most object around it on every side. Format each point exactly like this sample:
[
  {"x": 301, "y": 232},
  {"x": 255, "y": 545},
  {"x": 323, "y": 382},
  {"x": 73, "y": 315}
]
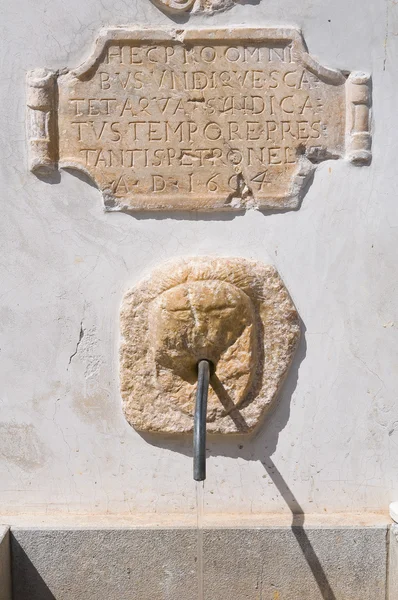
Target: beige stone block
[
  {"x": 207, "y": 119},
  {"x": 233, "y": 312}
]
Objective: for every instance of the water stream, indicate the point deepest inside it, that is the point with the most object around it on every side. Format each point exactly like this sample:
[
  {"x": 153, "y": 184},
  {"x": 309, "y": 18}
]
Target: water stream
[{"x": 199, "y": 528}]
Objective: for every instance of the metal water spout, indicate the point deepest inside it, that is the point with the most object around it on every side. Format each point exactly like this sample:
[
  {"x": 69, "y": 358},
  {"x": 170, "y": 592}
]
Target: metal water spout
[{"x": 199, "y": 424}]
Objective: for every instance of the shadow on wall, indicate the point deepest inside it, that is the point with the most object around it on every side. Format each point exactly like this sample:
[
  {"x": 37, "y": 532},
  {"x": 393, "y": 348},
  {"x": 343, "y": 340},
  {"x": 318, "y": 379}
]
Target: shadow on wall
[
  {"x": 27, "y": 581},
  {"x": 260, "y": 447},
  {"x": 262, "y": 443},
  {"x": 297, "y": 526}
]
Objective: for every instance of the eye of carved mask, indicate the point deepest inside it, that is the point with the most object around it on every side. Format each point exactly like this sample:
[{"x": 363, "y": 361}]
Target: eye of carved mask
[{"x": 233, "y": 312}]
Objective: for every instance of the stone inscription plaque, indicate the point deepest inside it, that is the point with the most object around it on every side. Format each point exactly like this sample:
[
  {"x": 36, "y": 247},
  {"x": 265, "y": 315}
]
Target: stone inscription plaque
[{"x": 198, "y": 119}]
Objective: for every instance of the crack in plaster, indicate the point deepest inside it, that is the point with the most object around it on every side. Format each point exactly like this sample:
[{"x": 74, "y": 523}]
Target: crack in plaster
[{"x": 81, "y": 336}]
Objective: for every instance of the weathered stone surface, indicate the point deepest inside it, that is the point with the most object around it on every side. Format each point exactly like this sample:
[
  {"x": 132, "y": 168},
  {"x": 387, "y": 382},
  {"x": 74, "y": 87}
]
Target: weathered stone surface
[
  {"x": 347, "y": 563},
  {"x": 119, "y": 564},
  {"x": 233, "y": 312},
  {"x": 5, "y": 564},
  {"x": 224, "y": 119},
  {"x": 296, "y": 564}
]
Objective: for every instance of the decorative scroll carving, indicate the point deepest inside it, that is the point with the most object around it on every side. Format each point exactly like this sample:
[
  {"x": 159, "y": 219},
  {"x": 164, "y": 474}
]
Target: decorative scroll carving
[
  {"x": 40, "y": 121},
  {"x": 224, "y": 119},
  {"x": 233, "y": 312},
  {"x": 196, "y": 6},
  {"x": 175, "y": 5}
]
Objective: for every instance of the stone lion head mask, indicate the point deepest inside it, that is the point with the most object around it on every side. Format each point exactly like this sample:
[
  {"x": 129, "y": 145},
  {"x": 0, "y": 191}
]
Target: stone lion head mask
[{"x": 235, "y": 313}]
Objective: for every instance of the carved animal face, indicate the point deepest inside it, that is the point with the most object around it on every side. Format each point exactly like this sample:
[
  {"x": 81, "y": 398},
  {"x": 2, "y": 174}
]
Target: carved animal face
[
  {"x": 231, "y": 311},
  {"x": 198, "y": 320},
  {"x": 203, "y": 319}
]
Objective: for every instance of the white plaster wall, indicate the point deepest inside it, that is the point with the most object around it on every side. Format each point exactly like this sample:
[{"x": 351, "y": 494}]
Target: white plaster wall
[{"x": 64, "y": 443}]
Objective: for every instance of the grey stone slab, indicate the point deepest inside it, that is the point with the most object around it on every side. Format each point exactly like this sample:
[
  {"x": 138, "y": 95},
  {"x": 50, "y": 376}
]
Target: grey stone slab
[
  {"x": 120, "y": 564},
  {"x": 278, "y": 563},
  {"x": 5, "y": 564},
  {"x": 393, "y": 564},
  {"x": 296, "y": 564}
]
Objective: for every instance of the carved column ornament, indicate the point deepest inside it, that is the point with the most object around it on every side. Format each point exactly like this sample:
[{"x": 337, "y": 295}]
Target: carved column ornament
[{"x": 41, "y": 92}]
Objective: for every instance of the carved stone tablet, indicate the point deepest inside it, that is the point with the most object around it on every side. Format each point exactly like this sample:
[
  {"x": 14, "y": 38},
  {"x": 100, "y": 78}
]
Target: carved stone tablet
[
  {"x": 233, "y": 312},
  {"x": 222, "y": 119}
]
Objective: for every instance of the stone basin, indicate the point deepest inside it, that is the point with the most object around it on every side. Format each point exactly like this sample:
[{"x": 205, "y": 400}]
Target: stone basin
[{"x": 101, "y": 561}]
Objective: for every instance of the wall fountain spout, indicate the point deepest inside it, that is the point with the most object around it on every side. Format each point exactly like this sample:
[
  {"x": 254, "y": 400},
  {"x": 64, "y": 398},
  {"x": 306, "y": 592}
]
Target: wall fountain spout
[{"x": 199, "y": 425}]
